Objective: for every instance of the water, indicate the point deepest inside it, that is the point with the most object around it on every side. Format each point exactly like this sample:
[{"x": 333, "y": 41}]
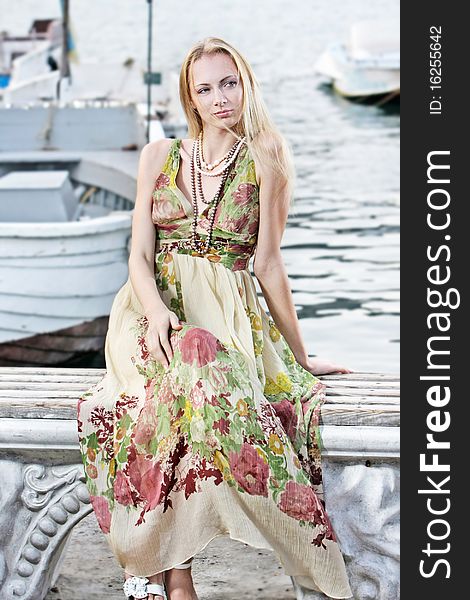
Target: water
[{"x": 342, "y": 243}]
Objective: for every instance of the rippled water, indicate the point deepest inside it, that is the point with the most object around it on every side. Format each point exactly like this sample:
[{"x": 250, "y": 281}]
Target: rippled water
[{"x": 342, "y": 242}]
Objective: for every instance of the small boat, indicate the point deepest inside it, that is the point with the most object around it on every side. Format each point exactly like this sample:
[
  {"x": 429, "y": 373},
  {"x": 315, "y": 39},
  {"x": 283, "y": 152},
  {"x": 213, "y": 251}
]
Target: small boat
[
  {"x": 33, "y": 72},
  {"x": 68, "y": 166},
  {"x": 64, "y": 238},
  {"x": 43, "y": 39},
  {"x": 367, "y": 66}
]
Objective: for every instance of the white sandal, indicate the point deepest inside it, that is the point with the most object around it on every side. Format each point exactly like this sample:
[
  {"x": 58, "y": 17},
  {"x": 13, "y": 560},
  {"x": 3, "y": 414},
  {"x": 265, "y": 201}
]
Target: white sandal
[{"x": 140, "y": 587}]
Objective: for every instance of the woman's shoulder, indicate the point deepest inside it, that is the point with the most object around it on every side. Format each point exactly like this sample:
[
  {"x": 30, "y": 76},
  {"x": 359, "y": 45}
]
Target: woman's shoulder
[
  {"x": 154, "y": 155},
  {"x": 266, "y": 147},
  {"x": 273, "y": 158},
  {"x": 158, "y": 146}
]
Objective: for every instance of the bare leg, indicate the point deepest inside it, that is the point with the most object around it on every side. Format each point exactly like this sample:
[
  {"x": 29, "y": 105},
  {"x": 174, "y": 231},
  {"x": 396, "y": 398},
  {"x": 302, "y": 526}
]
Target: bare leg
[{"x": 179, "y": 584}]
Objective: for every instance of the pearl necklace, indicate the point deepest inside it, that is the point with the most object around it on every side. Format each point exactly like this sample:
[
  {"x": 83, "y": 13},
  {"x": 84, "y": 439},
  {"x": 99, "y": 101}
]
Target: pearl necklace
[
  {"x": 231, "y": 156},
  {"x": 196, "y": 242},
  {"x": 227, "y": 158},
  {"x": 210, "y": 166}
]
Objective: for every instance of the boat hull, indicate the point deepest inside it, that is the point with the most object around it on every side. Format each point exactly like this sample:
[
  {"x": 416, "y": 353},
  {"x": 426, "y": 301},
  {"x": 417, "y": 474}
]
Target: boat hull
[
  {"x": 72, "y": 346},
  {"x": 57, "y": 285}
]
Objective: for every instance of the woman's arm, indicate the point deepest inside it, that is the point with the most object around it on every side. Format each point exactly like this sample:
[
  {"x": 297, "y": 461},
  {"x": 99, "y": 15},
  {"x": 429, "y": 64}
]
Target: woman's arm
[
  {"x": 142, "y": 254},
  {"x": 271, "y": 273}
]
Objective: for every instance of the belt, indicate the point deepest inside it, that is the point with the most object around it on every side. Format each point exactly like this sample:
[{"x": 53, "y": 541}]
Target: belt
[{"x": 232, "y": 255}]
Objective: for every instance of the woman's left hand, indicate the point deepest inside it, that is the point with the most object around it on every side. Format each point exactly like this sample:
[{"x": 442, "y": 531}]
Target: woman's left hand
[{"x": 318, "y": 366}]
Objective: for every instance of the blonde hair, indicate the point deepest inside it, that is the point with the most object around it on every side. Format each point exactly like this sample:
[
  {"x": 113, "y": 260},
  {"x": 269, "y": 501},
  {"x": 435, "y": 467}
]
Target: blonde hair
[{"x": 255, "y": 123}]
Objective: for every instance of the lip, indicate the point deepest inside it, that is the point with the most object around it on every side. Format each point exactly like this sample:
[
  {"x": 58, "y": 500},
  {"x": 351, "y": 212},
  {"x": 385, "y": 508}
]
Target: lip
[{"x": 224, "y": 113}]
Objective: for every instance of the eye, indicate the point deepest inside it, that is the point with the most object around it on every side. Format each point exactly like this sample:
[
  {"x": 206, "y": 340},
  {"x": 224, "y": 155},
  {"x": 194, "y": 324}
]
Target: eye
[
  {"x": 234, "y": 83},
  {"x": 202, "y": 90}
]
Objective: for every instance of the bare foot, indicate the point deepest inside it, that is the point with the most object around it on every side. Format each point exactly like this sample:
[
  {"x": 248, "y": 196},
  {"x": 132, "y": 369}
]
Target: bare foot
[{"x": 158, "y": 578}]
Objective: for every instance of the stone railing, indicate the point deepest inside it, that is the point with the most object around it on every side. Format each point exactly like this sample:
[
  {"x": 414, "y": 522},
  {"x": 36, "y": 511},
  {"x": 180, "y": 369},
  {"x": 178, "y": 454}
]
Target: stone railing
[{"x": 43, "y": 493}]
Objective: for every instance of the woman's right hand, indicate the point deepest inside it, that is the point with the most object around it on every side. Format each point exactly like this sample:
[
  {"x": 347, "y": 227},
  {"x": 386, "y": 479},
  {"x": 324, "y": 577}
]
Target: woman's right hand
[{"x": 158, "y": 335}]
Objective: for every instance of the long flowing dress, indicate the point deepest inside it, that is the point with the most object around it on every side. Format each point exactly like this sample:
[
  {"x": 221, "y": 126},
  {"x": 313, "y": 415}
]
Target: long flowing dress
[{"x": 225, "y": 441}]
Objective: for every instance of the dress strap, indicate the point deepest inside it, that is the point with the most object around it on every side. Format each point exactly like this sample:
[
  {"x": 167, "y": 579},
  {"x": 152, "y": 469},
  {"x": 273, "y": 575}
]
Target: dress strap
[{"x": 170, "y": 167}]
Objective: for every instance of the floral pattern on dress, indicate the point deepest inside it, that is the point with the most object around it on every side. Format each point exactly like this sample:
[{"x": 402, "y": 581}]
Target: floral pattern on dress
[
  {"x": 233, "y": 222},
  {"x": 200, "y": 420}
]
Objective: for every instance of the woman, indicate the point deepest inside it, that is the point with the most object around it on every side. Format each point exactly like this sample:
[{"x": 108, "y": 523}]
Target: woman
[{"x": 206, "y": 422}]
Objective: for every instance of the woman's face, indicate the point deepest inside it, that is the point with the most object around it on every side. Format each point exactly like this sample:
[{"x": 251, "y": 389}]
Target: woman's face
[{"x": 216, "y": 86}]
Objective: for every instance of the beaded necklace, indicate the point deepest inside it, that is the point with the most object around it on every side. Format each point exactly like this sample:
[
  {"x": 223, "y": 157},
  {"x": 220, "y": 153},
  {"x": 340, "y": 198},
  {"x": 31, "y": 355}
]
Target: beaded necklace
[{"x": 197, "y": 243}]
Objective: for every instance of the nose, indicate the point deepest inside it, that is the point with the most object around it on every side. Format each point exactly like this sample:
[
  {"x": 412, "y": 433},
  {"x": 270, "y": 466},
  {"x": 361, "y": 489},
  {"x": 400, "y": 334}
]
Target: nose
[{"x": 219, "y": 97}]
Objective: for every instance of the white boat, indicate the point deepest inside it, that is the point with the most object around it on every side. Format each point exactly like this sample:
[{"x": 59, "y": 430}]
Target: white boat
[
  {"x": 64, "y": 238},
  {"x": 43, "y": 35},
  {"x": 31, "y": 74},
  {"x": 68, "y": 166},
  {"x": 67, "y": 190},
  {"x": 367, "y": 65}
]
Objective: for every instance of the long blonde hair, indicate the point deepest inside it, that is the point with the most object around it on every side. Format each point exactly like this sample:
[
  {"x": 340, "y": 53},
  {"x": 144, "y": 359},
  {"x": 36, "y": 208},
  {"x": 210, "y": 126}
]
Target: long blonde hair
[{"x": 255, "y": 123}]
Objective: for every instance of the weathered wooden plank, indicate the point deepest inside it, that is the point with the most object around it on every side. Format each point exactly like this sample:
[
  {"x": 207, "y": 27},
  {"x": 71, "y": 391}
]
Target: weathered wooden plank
[
  {"x": 41, "y": 393},
  {"x": 56, "y": 389},
  {"x": 347, "y": 391},
  {"x": 73, "y": 372},
  {"x": 6, "y": 378},
  {"x": 27, "y": 404},
  {"x": 50, "y": 386},
  {"x": 52, "y": 372},
  {"x": 46, "y": 412},
  {"x": 362, "y": 399},
  {"x": 363, "y": 376},
  {"x": 367, "y": 383},
  {"x": 44, "y": 380},
  {"x": 385, "y": 415},
  {"x": 69, "y": 399},
  {"x": 80, "y": 382},
  {"x": 46, "y": 389},
  {"x": 73, "y": 393}
]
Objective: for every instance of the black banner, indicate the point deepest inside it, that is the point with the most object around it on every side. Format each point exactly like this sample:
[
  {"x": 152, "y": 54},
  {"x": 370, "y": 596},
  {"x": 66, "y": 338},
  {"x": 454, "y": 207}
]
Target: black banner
[{"x": 434, "y": 201}]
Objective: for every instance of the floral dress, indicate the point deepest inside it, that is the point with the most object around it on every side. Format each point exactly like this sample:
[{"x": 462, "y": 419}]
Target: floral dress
[{"x": 225, "y": 441}]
